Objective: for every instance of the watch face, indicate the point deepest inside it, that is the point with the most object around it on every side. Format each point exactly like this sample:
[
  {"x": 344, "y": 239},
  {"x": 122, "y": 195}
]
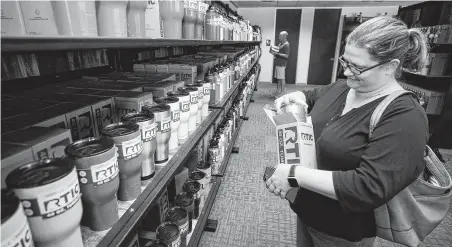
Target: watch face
[{"x": 292, "y": 182}]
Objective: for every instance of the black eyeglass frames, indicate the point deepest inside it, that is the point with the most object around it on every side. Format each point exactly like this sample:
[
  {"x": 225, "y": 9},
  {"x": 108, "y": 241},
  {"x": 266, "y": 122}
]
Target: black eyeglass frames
[{"x": 355, "y": 70}]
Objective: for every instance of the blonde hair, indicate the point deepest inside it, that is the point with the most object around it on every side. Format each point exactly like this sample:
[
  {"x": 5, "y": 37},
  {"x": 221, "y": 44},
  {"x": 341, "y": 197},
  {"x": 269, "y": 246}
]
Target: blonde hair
[{"x": 387, "y": 38}]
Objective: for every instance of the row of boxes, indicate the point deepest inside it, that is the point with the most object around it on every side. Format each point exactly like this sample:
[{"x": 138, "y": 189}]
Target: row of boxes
[
  {"x": 432, "y": 101},
  {"x": 437, "y": 64},
  {"x": 40, "y": 123}
]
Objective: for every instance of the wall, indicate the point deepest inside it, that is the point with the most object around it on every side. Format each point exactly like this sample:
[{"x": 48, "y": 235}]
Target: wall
[{"x": 265, "y": 18}]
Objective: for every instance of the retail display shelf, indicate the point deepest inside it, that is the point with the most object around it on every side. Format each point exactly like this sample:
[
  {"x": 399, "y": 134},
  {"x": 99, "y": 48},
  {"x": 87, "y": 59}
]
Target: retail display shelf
[
  {"x": 227, "y": 96},
  {"x": 427, "y": 76},
  {"x": 198, "y": 225},
  {"x": 132, "y": 212},
  {"x": 33, "y": 44},
  {"x": 234, "y": 139}
]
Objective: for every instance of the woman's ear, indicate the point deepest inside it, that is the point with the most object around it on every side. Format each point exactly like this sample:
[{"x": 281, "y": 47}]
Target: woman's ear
[{"x": 392, "y": 66}]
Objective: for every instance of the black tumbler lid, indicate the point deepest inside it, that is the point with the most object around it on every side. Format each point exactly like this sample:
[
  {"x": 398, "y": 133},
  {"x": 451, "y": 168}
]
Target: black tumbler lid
[
  {"x": 89, "y": 147},
  {"x": 39, "y": 173},
  {"x": 120, "y": 129}
]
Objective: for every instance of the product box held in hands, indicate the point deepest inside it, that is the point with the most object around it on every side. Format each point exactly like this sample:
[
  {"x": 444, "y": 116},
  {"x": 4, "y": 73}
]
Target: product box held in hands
[{"x": 295, "y": 139}]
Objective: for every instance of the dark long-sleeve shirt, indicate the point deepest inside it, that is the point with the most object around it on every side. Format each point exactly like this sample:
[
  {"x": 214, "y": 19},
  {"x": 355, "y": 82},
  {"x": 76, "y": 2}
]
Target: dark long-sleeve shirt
[{"x": 366, "y": 172}]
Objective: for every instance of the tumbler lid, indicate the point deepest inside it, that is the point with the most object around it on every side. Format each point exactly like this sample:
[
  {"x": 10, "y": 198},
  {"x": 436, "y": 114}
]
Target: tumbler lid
[
  {"x": 176, "y": 214},
  {"x": 156, "y": 108},
  {"x": 167, "y": 231},
  {"x": 189, "y": 89},
  {"x": 155, "y": 243},
  {"x": 120, "y": 129},
  {"x": 183, "y": 200},
  {"x": 191, "y": 187},
  {"x": 179, "y": 93},
  {"x": 39, "y": 173},
  {"x": 138, "y": 117},
  {"x": 89, "y": 147},
  {"x": 167, "y": 100},
  {"x": 197, "y": 175},
  {"x": 10, "y": 204},
  {"x": 203, "y": 165}
]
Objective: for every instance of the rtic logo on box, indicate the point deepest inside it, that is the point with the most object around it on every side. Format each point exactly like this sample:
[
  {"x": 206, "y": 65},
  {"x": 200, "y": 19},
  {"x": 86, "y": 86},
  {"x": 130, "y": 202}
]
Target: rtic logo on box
[
  {"x": 74, "y": 129},
  {"x": 43, "y": 154},
  {"x": 289, "y": 145},
  {"x": 165, "y": 125},
  {"x": 132, "y": 148},
  {"x": 149, "y": 132},
  {"x": 104, "y": 116},
  {"x": 307, "y": 137},
  {"x": 175, "y": 115},
  {"x": 185, "y": 106},
  {"x": 194, "y": 99},
  {"x": 104, "y": 173},
  {"x": 85, "y": 125},
  {"x": 20, "y": 238},
  {"x": 123, "y": 111},
  {"x": 55, "y": 202}
]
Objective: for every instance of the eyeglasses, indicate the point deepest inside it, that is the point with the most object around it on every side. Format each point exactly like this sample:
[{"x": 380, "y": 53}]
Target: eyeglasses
[{"x": 355, "y": 70}]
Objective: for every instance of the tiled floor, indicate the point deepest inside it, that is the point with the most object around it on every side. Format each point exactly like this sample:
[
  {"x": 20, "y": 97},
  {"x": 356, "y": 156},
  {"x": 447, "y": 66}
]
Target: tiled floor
[{"x": 247, "y": 214}]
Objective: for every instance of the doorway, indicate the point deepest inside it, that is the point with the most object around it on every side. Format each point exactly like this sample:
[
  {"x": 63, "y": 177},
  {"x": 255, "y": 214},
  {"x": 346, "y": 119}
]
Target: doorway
[
  {"x": 323, "y": 46},
  {"x": 289, "y": 20}
]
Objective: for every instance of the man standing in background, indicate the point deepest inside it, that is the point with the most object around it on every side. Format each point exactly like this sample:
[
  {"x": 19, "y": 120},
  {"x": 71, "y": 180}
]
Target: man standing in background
[{"x": 281, "y": 63}]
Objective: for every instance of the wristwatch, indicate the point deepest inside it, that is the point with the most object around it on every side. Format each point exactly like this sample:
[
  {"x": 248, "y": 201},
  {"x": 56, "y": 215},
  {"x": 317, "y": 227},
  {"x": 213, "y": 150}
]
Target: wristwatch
[{"x": 291, "y": 178}]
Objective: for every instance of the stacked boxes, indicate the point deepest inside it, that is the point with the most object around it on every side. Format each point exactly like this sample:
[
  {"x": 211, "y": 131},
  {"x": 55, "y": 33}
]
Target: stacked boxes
[{"x": 431, "y": 101}]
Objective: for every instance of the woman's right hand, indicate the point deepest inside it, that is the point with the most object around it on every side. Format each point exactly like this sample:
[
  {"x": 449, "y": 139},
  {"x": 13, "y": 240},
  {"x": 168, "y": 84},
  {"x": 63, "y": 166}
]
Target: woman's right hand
[{"x": 291, "y": 98}]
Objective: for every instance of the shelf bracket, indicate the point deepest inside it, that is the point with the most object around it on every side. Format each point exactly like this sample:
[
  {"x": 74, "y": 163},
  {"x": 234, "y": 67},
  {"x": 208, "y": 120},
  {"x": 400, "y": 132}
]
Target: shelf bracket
[
  {"x": 211, "y": 225},
  {"x": 235, "y": 150}
]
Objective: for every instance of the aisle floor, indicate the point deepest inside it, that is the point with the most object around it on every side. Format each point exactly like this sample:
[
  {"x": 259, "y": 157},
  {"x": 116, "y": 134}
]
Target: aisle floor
[{"x": 247, "y": 214}]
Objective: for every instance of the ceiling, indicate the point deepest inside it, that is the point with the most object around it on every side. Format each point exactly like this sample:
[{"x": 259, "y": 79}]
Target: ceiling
[{"x": 319, "y": 3}]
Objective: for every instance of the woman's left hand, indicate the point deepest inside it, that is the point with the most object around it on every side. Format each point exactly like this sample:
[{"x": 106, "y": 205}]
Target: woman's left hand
[{"x": 277, "y": 183}]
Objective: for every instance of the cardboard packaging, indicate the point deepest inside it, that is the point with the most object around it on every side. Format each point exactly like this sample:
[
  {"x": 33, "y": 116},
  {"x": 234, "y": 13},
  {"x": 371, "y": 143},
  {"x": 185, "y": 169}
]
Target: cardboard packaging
[
  {"x": 128, "y": 102},
  {"x": 176, "y": 184},
  {"x": 155, "y": 217},
  {"x": 438, "y": 63},
  {"x": 44, "y": 142},
  {"x": 81, "y": 122},
  {"x": 13, "y": 156},
  {"x": 109, "y": 85},
  {"x": 189, "y": 73},
  {"x": 54, "y": 116},
  {"x": 295, "y": 139}
]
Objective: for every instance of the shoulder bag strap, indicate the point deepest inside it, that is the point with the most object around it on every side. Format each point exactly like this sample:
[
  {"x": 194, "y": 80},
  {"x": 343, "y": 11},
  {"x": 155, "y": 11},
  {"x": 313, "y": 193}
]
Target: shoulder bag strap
[{"x": 378, "y": 112}]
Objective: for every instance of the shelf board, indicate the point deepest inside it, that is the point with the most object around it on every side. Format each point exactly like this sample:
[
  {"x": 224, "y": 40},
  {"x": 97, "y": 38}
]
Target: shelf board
[
  {"x": 32, "y": 44},
  {"x": 132, "y": 212},
  {"x": 227, "y": 96},
  {"x": 426, "y": 76}
]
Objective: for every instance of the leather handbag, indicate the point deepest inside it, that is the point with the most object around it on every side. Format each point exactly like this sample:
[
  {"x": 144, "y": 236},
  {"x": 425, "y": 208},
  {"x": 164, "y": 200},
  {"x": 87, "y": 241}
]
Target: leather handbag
[{"x": 419, "y": 208}]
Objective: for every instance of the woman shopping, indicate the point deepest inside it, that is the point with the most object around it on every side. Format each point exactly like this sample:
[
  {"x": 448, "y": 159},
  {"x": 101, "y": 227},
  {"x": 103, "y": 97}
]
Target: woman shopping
[{"x": 357, "y": 174}]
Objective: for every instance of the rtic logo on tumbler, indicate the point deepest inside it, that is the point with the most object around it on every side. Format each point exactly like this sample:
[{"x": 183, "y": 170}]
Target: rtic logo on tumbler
[
  {"x": 184, "y": 228},
  {"x": 100, "y": 174},
  {"x": 194, "y": 99},
  {"x": 185, "y": 106},
  {"x": 289, "y": 145},
  {"x": 131, "y": 149},
  {"x": 53, "y": 203},
  {"x": 149, "y": 132},
  {"x": 176, "y": 242},
  {"x": 193, "y": 5},
  {"x": 175, "y": 115},
  {"x": 207, "y": 90},
  {"x": 165, "y": 125},
  {"x": 21, "y": 238},
  {"x": 200, "y": 93}
]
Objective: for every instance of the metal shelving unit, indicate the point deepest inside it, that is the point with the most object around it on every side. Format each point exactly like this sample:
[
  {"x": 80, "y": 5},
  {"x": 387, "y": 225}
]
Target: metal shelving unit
[{"x": 33, "y": 44}]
